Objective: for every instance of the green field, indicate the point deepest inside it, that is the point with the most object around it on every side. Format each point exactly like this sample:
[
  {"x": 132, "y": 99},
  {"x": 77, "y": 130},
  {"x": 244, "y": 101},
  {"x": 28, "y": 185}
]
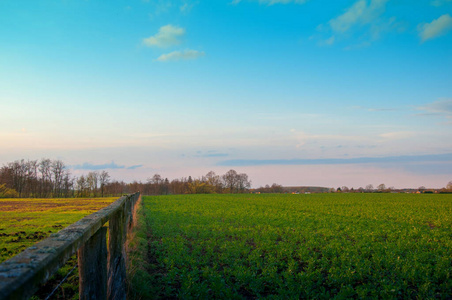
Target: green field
[{"x": 293, "y": 246}]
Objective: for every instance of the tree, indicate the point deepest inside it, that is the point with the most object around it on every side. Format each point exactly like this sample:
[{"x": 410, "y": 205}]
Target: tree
[
  {"x": 46, "y": 177},
  {"x": 277, "y": 188},
  {"x": 165, "y": 189},
  {"x": 381, "y": 187},
  {"x": 215, "y": 181},
  {"x": 369, "y": 188},
  {"x": 449, "y": 186},
  {"x": 57, "y": 169},
  {"x": 82, "y": 186},
  {"x": 155, "y": 184},
  {"x": 92, "y": 179},
  {"x": 156, "y": 179},
  {"x": 243, "y": 183},
  {"x": 230, "y": 180},
  {"x": 68, "y": 184},
  {"x": 104, "y": 178}
]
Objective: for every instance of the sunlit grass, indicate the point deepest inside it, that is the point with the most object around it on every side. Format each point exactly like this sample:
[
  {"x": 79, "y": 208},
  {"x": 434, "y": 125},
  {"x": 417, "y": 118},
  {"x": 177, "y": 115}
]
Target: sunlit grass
[{"x": 23, "y": 222}]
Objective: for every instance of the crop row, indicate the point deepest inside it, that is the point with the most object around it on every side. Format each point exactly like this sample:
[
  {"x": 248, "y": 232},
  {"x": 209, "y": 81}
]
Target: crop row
[{"x": 295, "y": 246}]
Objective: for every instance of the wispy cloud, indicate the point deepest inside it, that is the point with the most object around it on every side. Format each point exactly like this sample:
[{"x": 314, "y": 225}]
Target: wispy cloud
[
  {"x": 180, "y": 55},
  {"x": 440, "y": 2},
  {"x": 399, "y": 135},
  {"x": 94, "y": 167},
  {"x": 303, "y": 137},
  {"x": 159, "y": 7},
  {"x": 375, "y": 109},
  {"x": 439, "y": 107},
  {"x": 442, "y": 108},
  {"x": 167, "y": 36},
  {"x": 328, "y": 42},
  {"x": 360, "y": 13},
  {"x": 272, "y": 2},
  {"x": 134, "y": 167},
  {"x": 435, "y": 28},
  {"x": 187, "y": 6},
  {"x": 364, "y": 17},
  {"x": 211, "y": 153},
  {"x": 339, "y": 161}
]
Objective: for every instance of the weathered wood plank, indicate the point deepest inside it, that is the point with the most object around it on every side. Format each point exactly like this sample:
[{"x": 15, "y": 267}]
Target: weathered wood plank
[
  {"x": 92, "y": 262},
  {"x": 116, "y": 256}
]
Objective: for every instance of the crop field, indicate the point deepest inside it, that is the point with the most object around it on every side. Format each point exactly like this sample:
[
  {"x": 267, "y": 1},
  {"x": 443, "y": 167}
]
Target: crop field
[
  {"x": 23, "y": 222},
  {"x": 317, "y": 246}
]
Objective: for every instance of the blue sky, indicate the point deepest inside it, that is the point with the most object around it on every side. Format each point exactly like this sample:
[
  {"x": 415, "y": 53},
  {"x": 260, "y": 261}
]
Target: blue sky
[{"x": 282, "y": 90}]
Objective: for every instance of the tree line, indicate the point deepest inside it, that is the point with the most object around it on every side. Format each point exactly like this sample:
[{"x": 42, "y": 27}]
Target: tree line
[
  {"x": 48, "y": 178},
  {"x": 382, "y": 188}
]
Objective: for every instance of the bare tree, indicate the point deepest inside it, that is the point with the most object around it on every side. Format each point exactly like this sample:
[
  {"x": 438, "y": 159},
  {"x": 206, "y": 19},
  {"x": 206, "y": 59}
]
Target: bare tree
[
  {"x": 449, "y": 186},
  {"x": 369, "y": 188},
  {"x": 92, "y": 179},
  {"x": 104, "y": 178},
  {"x": 215, "y": 181},
  {"x": 243, "y": 183},
  {"x": 156, "y": 179},
  {"x": 230, "y": 180},
  {"x": 155, "y": 183},
  {"x": 57, "y": 168},
  {"x": 46, "y": 177},
  {"x": 82, "y": 186},
  {"x": 381, "y": 187},
  {"x": 68, "y": 185}
]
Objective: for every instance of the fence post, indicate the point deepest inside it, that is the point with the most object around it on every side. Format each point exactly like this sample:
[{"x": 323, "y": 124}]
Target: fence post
[
  {"x": 129, "y": 211},
  {"x": 92, "y": 263},
  {"x": 116, "y": 260}
]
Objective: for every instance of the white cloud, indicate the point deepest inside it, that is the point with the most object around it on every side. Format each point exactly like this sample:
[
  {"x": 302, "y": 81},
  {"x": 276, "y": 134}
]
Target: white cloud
[
  {"x": 167, "y": 36},
  {"x": 436, "y": 28},
  {"x": 360, "y": 13},
  {"x": 181, "y": 55}
]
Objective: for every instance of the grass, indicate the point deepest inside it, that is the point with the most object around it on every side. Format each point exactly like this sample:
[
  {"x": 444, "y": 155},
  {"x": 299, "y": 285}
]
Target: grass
[
  {"x": 318, "y": 246},
  {"x": 23, "y": 222}
]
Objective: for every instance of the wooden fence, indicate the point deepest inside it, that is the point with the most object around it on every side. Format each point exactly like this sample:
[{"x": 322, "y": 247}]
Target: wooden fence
[{"x": 102, "y": 273}]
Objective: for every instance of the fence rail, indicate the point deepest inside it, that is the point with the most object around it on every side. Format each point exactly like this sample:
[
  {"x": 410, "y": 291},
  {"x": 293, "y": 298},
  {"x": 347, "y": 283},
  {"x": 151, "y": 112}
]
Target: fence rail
[{"x": 102, "y": 272}]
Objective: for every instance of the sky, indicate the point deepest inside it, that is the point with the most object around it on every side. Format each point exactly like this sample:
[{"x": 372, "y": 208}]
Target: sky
[{"x": 295, "y": 92}]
